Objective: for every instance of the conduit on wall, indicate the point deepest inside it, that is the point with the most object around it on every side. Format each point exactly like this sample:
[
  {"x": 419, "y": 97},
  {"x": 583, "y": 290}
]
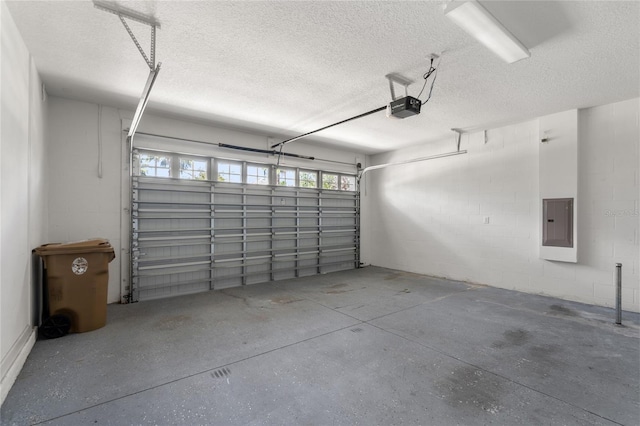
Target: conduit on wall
[
  {"x": 100, "y": 141},
  {"x": 459, "y": 133},
  {"x": 413, "y": 160}
]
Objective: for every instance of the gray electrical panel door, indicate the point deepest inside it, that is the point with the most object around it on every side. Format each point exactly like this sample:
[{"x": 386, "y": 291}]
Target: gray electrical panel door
[
  {"x": 557, "y": 222},
  {"x": 191, "y": 236}
]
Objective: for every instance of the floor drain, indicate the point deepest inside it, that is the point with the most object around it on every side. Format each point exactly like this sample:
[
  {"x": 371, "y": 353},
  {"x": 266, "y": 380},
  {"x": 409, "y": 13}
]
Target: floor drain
[
  {"x": 356, "y": 330},
  {"x": 222, "y": 372}
]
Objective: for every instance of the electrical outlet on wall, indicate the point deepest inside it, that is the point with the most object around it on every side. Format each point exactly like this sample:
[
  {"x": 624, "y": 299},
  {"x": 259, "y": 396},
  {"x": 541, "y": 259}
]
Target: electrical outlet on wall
[{"x": 486, "y": 220}]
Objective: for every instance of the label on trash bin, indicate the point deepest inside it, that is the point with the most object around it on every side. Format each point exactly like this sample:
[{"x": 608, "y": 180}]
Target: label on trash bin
[{"x": 79, "y": 265}]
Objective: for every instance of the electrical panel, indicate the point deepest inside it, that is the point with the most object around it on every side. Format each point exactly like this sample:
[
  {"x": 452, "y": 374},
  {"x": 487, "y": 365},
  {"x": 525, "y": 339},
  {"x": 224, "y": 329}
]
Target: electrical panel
[{"x": 557, "y": 226}]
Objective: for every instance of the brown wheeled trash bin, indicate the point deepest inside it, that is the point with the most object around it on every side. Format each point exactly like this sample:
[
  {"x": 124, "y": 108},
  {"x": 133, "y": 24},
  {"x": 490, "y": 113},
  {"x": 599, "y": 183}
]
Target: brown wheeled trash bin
[{"x": 77, "y": 278}]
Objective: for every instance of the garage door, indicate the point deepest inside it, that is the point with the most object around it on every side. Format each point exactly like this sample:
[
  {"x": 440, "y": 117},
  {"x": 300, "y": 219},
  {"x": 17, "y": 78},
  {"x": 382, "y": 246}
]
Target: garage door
[{"x": 202, "y": 223}]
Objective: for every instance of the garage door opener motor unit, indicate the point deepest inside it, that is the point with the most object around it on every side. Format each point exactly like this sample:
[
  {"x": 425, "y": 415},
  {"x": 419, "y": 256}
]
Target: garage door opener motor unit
[{"x": 405, "y": 107}]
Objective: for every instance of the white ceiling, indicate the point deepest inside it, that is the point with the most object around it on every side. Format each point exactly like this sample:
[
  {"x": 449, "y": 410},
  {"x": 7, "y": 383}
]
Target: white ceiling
[{"x": 282, "y": 68}]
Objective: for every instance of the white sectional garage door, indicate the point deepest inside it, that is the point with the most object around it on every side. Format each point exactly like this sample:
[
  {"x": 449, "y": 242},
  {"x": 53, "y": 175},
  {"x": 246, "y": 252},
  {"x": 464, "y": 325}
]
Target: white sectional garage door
[{"x": 252, "y": 223}]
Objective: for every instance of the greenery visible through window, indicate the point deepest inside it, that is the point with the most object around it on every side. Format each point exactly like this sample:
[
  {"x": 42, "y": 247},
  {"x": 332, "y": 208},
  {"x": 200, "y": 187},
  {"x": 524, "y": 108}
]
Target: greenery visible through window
[
  {"x": 167, "y": 165},
  {"x": 193, "y": 169},
  {"x": 286, "y": 177},
  {"x": 230, "y": 172},
  {"x": 308, "y": 179},
  {"x": 347, "y": 183},
  {"x": 155, "y": 165},
  {"x": 329, "y": 181},
  {"x": 258, "y": 174}
]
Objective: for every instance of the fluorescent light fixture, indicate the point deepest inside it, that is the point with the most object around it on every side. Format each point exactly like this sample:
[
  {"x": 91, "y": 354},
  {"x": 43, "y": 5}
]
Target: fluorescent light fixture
[{"x": 472, "y": 17}]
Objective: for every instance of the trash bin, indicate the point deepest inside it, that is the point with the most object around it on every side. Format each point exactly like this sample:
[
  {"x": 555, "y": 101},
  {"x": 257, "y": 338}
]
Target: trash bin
[{"x": 76, "y": 281}]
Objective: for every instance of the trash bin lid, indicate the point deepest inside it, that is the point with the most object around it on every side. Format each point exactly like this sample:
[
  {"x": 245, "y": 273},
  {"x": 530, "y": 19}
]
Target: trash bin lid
[{"x": 96, "y": 245}]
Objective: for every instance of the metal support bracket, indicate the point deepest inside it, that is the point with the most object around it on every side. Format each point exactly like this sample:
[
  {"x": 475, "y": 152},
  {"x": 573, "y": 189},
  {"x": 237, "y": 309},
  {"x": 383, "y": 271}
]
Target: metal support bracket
[
  {"x": 459, "y": 138},
  {"x": 144, "y": 99},
  {"x": 398, "y": 79},
  {"x": 134, "y": 16}
]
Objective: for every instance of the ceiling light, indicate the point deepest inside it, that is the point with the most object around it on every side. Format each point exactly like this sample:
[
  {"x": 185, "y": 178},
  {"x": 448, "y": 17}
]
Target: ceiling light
[{"x": 482, "y": 25}]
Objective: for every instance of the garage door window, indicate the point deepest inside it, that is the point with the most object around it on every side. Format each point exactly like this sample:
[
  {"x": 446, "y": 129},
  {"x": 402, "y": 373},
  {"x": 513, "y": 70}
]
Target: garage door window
[
  {"x": 347, "y": 183},
  {"x": 286, "y": 177},
  {"x": 229, "y": 172},
  {"x": 329, "y": 181},
  {"x": 258, "y": 175},
  {"x": 155, "y": 165},
  {"x": 191, "y": 168},
  {"x": 308, "y": 179}
]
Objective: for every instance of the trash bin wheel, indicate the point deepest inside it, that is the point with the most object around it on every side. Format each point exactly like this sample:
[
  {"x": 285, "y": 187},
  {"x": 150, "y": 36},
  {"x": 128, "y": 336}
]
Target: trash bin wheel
[{"x": 55, "y": 326}]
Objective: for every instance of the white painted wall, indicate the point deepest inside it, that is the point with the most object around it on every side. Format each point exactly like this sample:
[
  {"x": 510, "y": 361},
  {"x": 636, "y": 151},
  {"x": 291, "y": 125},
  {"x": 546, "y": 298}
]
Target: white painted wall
[
  {"x": 558, "y": 174},
  {"x": 609, "y": 193},
  {"x": 23, "y": 201},
  {"x": 83, "y": 205},
  {"x": 429, "y": 217}
]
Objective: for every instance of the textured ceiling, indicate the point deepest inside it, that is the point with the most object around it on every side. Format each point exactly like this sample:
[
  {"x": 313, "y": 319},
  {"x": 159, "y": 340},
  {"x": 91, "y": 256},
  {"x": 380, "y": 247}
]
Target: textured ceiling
[{"x": 284, "y": 68}]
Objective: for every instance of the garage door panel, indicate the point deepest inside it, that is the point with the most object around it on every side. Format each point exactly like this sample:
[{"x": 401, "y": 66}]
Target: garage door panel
[
  {"x": 226, "y": 247},
  {"x": 309, "y": 242},
  {"x": 190, "y": 236},
  {"x": 311, "y": 222},
  {"x": 258, "y": 222},
  {"x": 164, "y": 223},
  {"x": 173, "y": 285},
  {"x": 308, "y": 203},
  {"x": 338, "y": 239},
  {"x": 284, "y": 270},
  {"x": 307, "y": 272}
]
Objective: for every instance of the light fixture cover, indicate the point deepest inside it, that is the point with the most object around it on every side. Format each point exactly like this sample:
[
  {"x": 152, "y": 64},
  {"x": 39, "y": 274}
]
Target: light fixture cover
[{"x": 472, "y": 17}]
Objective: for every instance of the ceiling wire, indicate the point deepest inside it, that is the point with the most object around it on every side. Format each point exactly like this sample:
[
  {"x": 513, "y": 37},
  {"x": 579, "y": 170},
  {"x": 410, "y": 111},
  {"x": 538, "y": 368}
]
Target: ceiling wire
[
  {"x": 100, "y": 141},
  {"x": 426, "y": 76}
]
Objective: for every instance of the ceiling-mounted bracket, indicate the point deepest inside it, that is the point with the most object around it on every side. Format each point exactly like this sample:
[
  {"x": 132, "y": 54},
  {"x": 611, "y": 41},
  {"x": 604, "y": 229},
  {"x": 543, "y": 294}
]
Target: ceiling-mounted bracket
[
  {"x": 459, "y": 138},
  {"x": 398, "y": 79},
  {"x": 134, "y": 16}
]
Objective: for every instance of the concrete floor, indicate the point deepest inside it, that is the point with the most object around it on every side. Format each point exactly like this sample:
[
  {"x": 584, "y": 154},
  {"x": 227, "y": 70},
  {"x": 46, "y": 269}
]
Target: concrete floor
[{"x": 370, "y": 346}]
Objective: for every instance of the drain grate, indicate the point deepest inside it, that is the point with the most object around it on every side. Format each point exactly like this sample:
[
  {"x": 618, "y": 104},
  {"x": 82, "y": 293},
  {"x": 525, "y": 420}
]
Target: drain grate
[
  {"x": 357, "y": 330},
  {"x": 222, "y": 372}
]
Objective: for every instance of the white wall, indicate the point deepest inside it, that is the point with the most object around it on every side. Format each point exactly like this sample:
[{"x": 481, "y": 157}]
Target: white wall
[
  {"x": 609, "y": 194},
  {"x": 558, "y": 174},
  {"x": 428, "y": 217},
  {"x": 23, "y": 200},
  {"x": 83, "y": 205}
]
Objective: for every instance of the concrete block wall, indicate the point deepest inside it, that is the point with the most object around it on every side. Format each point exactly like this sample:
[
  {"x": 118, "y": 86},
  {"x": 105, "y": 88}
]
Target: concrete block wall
[
  {"x": 429, "y": 217},
  {"x": 609, "y": 157}
]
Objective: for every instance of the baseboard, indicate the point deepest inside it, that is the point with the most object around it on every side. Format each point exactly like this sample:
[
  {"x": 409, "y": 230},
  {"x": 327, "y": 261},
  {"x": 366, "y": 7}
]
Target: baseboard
[{"x": 14, "y": 360}]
